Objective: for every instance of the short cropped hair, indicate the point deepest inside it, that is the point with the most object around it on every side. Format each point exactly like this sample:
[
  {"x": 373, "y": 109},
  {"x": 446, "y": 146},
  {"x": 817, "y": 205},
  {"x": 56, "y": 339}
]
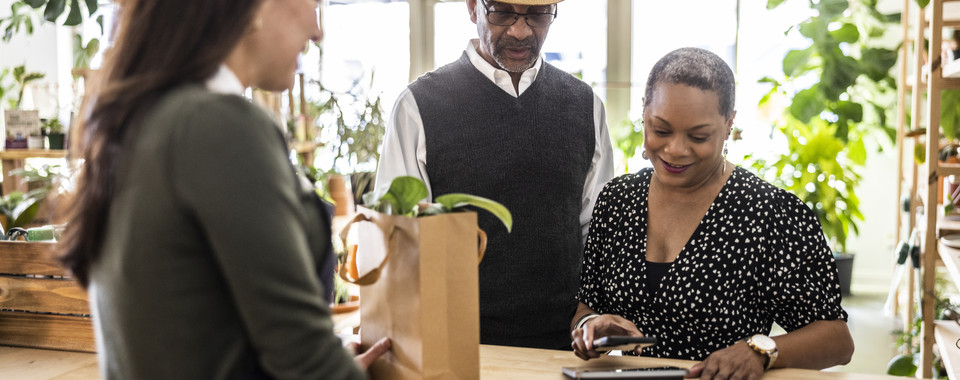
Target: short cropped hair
[{"x": 698, "y": 68}]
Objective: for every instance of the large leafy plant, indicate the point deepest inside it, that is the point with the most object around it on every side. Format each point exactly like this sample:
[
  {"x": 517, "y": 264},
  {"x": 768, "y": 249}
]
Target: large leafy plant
[
  {"x": 840, "y": 91},
  {"x": 24, "y": 14},
  {"x": 405, "y": 194}
]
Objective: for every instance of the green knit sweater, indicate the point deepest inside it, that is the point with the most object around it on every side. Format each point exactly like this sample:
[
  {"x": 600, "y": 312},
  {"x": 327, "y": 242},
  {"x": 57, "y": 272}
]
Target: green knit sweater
[{"x": 207, "y": 270}]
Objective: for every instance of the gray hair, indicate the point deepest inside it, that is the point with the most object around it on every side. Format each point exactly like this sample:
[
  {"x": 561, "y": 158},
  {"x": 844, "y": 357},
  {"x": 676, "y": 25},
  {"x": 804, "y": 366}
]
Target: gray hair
[{"x": 698, "y": 68}]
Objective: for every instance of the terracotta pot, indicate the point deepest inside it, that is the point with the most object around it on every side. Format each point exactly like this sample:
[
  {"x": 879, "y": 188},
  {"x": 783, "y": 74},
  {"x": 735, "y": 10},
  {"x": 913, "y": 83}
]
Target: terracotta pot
[
  {"x": 341, "y": 195},
  {"x": 351, "y": 305}
]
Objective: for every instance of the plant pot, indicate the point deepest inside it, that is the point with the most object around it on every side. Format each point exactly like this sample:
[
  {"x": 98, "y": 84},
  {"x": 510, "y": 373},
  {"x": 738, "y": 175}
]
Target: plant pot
[
  {"x": 341, "y": 195},
  {"x": 56, "y": 140},
  {"x": 348, "y": 306},
  {"x": 845, "y": 270},
  {"x": 362, "y": 183}
]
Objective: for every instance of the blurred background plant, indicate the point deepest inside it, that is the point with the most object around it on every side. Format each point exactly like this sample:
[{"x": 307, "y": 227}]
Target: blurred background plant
[{"x": 839, "y": 90}]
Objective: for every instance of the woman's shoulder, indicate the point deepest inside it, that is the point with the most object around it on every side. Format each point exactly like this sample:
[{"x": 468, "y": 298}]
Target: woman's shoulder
[
  {"x": 195, "y": 101},
  {"x": 628, "y": 183},
  {"x": 636, "y": 179},
  {"x": 746, "y": 184}
]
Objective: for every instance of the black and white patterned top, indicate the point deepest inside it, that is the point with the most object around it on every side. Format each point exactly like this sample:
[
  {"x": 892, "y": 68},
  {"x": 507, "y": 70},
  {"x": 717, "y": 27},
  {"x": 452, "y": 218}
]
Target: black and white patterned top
[{"x": 757, "y": 257}]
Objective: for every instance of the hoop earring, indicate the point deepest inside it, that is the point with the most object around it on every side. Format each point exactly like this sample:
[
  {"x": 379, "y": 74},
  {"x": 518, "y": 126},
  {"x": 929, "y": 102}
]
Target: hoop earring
[{"x": 644, "y": 155}]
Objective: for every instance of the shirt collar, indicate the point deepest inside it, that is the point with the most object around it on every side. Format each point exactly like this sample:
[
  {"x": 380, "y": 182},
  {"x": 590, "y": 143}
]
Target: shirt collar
[
  {"x": 224, "y": 81},
  {"x": 501, "y": 77}
]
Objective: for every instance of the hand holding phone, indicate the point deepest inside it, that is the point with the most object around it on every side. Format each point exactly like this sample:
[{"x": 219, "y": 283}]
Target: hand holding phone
[{"x": 623, "y": 343}]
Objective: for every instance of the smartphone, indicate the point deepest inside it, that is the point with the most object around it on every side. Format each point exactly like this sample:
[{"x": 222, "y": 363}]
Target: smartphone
[
  {"x": 623, "y": 343},
  {"x": 624, "y": 372}
]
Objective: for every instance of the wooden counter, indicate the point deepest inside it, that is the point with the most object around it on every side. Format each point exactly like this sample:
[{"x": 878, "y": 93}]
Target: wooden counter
[{"x": 496, "y": 362}]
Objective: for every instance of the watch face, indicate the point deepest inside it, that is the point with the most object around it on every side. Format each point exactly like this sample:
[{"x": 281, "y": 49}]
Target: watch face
[{"x": 763, "y": 342}]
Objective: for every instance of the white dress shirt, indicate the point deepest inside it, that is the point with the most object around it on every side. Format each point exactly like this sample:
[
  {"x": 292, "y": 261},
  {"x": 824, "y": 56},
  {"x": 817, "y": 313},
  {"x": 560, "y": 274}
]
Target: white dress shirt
[
  {"x": 224, "y": 81},
  {"x": 404, "y": 146}
]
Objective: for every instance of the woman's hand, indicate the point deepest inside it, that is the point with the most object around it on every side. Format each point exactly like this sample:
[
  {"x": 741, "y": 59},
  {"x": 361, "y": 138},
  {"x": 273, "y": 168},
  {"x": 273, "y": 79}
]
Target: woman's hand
[
  {"x": 367, "y": 358},
  {"x": 604, "y": 325},
  {"x": 738, "y": 361}
]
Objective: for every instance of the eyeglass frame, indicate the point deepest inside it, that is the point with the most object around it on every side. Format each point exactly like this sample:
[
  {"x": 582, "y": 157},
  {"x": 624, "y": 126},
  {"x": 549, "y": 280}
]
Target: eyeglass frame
[{"x": 516, "y": 16}]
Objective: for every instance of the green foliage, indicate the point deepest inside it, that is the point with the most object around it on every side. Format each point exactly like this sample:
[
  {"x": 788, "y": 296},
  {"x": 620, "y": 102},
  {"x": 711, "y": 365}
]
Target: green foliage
[
  {"x": 351, "y": 126},
  {"x": 950, "y": 114},
  {"x": 454, "y": 201},
  {"x": 25, "y": 13},
  {"x": 21, "y": 79},
  {"x": 20, "y": 209},
  {"x": 404, "y": 196},
  {"x": 820, "y": 170},
  {"x": 21, "y": 16},
  {"x": 53, "y": 126},
  {"x": 828, "y": 121},
  {"x": 83, "y": 53},
  {"x": 6, "y": 84},
  {"x": 628, "y": 138}
]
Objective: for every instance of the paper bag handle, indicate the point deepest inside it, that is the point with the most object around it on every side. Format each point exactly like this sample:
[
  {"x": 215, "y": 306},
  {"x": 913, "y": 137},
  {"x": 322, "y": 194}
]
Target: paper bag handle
[{"x": 374, "y": 274}]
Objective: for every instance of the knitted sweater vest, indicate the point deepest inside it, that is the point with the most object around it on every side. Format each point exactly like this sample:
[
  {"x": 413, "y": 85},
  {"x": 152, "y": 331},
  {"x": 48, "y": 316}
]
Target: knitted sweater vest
[{"x": 532, "y": 154}]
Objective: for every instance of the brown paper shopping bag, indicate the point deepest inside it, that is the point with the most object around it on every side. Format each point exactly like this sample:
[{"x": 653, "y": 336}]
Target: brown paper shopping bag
[{"x": 423, "y": 293}]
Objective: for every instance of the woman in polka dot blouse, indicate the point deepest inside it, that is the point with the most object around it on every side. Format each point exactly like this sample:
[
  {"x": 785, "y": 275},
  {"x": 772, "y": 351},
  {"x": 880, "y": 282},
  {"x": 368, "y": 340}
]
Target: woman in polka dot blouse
[{"x": 703, "y": 255}]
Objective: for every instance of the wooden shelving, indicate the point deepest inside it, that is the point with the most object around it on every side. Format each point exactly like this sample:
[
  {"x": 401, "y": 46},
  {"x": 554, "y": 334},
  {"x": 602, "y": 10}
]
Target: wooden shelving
[
  {"x": 22, "y": 154},
  {"x": 947, "y": 334},
  {"x": 927, "y": 68},
  {"x": 11, "y": 159}
]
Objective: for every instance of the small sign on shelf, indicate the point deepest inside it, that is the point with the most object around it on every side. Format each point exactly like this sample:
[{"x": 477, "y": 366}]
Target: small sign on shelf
[{"x": 19, "y": 125}]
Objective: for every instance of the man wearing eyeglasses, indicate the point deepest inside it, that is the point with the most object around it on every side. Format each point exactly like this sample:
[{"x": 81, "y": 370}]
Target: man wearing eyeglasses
[{"x": 503, "y": 124}]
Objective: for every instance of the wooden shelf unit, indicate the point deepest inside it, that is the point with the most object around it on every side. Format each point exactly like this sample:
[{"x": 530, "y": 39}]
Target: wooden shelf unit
[
  {"x": 12, "y": 159},
  {"x": 937, "y": 77}
]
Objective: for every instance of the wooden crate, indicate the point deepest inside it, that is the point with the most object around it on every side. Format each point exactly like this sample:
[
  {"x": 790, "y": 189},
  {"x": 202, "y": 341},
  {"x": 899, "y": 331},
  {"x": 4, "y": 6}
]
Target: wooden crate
[{"x": 40, "y": 306}]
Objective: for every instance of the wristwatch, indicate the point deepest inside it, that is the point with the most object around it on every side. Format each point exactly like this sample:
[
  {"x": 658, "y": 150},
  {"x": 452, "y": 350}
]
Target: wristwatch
[{"x": 765, "y": 346}]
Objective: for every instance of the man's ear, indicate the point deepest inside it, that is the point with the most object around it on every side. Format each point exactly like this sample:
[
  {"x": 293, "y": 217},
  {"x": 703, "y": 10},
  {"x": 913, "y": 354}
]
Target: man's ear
[{"x": 472, "y": 8}]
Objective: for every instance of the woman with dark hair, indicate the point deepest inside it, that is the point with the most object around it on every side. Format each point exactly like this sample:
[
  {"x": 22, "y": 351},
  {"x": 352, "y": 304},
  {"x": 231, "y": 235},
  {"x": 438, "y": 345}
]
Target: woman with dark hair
[
  {"x": 703, "y": 255},
  {"x": 198, "y": 242}
]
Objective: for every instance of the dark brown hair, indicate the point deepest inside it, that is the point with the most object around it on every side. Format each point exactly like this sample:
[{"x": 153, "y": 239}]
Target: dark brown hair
[{"x": 160, "y": 44}]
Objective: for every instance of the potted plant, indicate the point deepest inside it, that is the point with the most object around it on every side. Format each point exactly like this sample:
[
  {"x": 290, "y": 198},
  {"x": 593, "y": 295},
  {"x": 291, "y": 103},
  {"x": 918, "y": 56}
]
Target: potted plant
[
  {"x": 350, "y": 128},
  {"x": 54, "y": 131},
  {"x": 828, "y": 121}
]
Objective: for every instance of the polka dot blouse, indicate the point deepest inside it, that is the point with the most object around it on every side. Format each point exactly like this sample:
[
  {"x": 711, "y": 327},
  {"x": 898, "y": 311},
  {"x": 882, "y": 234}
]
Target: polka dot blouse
[{"x": 757, "y": 257}]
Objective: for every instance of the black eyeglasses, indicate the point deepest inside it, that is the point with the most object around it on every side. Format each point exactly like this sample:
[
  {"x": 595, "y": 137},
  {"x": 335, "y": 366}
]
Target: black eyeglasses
[{"x": 507, "y": 18}]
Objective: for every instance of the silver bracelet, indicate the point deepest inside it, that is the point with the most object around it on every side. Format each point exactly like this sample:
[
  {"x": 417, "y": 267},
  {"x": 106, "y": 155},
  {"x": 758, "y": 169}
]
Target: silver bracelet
[{"x": 583, "y": 320}]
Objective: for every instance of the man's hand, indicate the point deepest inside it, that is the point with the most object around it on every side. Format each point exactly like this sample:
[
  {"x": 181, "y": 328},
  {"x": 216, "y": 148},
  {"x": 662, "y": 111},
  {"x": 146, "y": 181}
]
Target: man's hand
[
  {"x": 364, "y": 360},
  {"x": 738, "y": 361},
  {"x": 604, "y": 325}
]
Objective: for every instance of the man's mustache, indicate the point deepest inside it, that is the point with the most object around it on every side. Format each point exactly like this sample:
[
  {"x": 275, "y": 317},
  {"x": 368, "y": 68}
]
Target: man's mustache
[{"x": 513, "y": 43}]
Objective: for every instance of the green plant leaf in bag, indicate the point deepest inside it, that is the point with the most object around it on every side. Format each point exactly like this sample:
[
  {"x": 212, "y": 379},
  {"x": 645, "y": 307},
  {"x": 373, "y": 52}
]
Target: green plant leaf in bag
[
  {"x": 405, "y": 192},
  {"x": 455, "y": 200}
]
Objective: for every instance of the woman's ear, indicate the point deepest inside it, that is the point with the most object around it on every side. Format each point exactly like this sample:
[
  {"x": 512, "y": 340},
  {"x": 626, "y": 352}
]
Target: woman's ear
[{"x": 730, "y": 122}]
